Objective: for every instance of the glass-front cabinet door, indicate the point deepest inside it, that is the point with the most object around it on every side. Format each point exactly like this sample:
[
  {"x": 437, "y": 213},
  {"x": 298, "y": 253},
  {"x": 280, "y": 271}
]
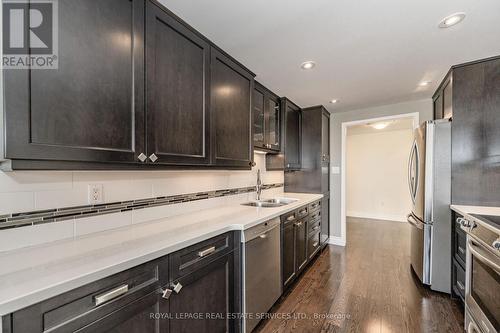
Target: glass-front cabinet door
[
  {"x": 274, "y": 123},
  {"x": 258, "y": 119},
  {"x": 266, "y": 119}
]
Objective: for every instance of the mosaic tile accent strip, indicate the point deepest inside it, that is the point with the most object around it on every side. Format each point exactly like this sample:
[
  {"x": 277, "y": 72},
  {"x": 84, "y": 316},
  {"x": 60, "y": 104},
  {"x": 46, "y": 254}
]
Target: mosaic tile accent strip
[{"x": 24, "y": 219}]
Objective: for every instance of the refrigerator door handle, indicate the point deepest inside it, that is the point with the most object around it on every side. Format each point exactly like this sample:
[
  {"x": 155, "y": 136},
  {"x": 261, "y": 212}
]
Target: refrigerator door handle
[
  {"x": 414, "y": 222},
  {"x": 413, "y": 178}
]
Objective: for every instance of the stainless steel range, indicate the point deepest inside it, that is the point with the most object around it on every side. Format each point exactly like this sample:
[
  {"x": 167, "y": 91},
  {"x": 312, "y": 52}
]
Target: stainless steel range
[{"x": 482, "y": 289}]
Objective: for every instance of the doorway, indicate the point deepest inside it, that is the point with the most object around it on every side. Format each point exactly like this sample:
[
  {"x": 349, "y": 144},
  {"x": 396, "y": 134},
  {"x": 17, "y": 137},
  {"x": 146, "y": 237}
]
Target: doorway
[{"x": 371, "y": 194}]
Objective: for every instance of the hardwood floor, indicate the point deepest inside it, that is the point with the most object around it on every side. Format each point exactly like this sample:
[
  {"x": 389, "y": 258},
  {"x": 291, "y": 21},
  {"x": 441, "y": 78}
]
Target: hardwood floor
[{"x": 368, "y": 286}]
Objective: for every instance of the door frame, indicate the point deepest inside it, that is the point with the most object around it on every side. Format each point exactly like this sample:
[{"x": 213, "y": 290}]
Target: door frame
[{"x": 343, "y": 237}]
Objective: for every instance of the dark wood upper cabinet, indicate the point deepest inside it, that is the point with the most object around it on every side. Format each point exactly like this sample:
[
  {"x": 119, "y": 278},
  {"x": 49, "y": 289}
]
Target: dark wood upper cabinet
[
  {"x": 292, "y": 134},
  {"x": 259, "y": 118},
  {"x": 443, "y": 98},
  {"x": 267, "y": 120},
  {"x": 178, "y": 67},
  {"x": 231, "y": 108},
  {"x": 91, "y": 108},
  {"x": 447, "y": 99}
]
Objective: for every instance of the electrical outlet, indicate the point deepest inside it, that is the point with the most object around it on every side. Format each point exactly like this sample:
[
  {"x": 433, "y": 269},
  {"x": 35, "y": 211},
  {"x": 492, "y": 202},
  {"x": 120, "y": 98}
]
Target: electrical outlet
[{"x": 96, "y": 193}]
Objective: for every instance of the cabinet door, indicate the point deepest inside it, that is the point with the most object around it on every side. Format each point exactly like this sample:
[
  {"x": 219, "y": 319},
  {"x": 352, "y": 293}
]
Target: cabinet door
[
  {"x": 301, "y": 244},
  {"x": 177, "y": 67},
  {"x": 325, "y": 137},
  {"x": 438, "y": 106},
  {"x": 447, "y": 100},
  {"x": 288, "y": 253},
  {"x": 325, "y": 219},
  {"x": 231, "y": 108},
  {"x": 206, "y": 297},
  {"x": 259, "y": 123},
  {"x": 273, "y": 120},
  {"x": 293, "y": 126},
  {"x": 91, "y": 108},
  {"x": 142, "y": 315}
]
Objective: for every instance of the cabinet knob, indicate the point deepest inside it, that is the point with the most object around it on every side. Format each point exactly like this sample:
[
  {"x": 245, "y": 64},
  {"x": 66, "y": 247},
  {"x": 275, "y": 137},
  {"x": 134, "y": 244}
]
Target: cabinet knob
[
  {"x": 177, "y": 287},
  {"x": 142, "y": 157},
  {"x": 252, "y": 163},
  {"x": 153, "y": 158},
  {"x": 496, "y": 244},
  {"x": 165, "y": 293}
]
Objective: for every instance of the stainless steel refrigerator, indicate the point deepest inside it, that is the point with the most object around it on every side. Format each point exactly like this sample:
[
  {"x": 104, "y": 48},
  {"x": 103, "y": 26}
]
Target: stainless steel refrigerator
[{"x": 429, "y": 180}]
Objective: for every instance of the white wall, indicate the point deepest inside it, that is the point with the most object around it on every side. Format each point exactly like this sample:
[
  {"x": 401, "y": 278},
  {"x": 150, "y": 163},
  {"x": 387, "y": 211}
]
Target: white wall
[
  {"x": 376, "y": 165},
  {"x": 423, "y": 107}
]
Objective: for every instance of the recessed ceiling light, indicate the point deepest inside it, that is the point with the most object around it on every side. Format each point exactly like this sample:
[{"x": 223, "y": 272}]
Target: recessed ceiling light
[
  {"x": 451, "y": 20},
  {"x": 308, "y": 65},
  {"x": 424, "y": 83},
  {"x": 334, "y": 101}
]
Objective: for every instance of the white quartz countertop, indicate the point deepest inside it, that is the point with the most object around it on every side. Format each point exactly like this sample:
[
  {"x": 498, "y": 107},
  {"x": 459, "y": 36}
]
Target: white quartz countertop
[
  {"x": 482, "y": 210},
  {"x": 31, "y": 275}
]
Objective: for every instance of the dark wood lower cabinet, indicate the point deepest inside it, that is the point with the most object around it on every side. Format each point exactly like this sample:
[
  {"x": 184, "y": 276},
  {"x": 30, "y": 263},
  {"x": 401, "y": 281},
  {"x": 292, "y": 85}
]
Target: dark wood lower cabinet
[
  {"x": 288, "y": 252},
  {"x": 206, "y": 297},
  {"x": 301, "y": 244},
  {"x": 300, "y": 241},
  {"x": 144, "y": 315},
  {"x": 208, "y": 294}
]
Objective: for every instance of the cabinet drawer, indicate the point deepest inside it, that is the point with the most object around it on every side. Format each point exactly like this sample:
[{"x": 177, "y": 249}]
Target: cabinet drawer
[
  {"x": 289, "y": 217},
  {"x": 314, "y": 206},
  {"x": 191, "y": 258},
  {"x": 458, "y": 279},
  {"x": 315, "y": 215},
  {"x": 302, "y": 211},
  {"x": 313, "y": 245},
  {"x": 82, "y": 306},
  {"x": 314, "y": 226}
]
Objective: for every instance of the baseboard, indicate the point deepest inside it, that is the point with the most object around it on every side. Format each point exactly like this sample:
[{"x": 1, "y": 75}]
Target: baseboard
[
  {"x": 334, "y": 240},
  {"x": 385, "y": 217}
]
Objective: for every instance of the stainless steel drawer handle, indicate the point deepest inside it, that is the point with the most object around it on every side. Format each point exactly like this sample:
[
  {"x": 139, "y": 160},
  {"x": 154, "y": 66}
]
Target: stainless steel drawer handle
[
  {"x": 460, "y": 285},
  {"x": 263, "y": 236},
  {"x": 304, "y": 211},
  {"x": 165, "y": 293},
  {"x": 206, "y": 252},
  {"x": 112, "y": 294},
  {"x": 290, "y": 218}
]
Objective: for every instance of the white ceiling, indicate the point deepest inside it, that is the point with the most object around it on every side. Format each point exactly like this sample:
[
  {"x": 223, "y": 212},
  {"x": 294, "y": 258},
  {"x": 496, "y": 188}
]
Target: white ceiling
[
  {"x": 393, "y": 125},
  {"x": 368, "y": 53}
]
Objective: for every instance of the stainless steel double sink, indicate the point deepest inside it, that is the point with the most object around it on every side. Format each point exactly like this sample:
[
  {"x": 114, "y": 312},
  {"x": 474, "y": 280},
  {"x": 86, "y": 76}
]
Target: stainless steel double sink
[{"x": 269, "y": 203}]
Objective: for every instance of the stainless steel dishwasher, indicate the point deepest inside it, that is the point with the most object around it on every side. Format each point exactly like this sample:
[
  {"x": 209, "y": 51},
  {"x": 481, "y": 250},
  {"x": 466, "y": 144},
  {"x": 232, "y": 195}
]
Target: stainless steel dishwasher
[{"x": 261, "y": 271}]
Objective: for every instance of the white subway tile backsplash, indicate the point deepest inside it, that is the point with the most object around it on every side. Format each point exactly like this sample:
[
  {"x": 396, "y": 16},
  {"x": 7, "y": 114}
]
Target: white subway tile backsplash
[
  {"x": 11, "y": 239},
  {"x": 99, "y": 223},
  {"x": 171, "y": 183},
  {"x": 31, "y": 181},
  {"x": 16, "y": 202}
]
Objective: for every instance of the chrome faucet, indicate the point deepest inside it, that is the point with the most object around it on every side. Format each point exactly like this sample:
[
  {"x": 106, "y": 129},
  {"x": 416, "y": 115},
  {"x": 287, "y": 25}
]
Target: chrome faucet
[{"x": 258, "y": 188}]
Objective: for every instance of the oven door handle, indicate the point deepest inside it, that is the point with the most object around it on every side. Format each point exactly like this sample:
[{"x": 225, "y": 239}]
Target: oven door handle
[{"x": 482, "y": 256}]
